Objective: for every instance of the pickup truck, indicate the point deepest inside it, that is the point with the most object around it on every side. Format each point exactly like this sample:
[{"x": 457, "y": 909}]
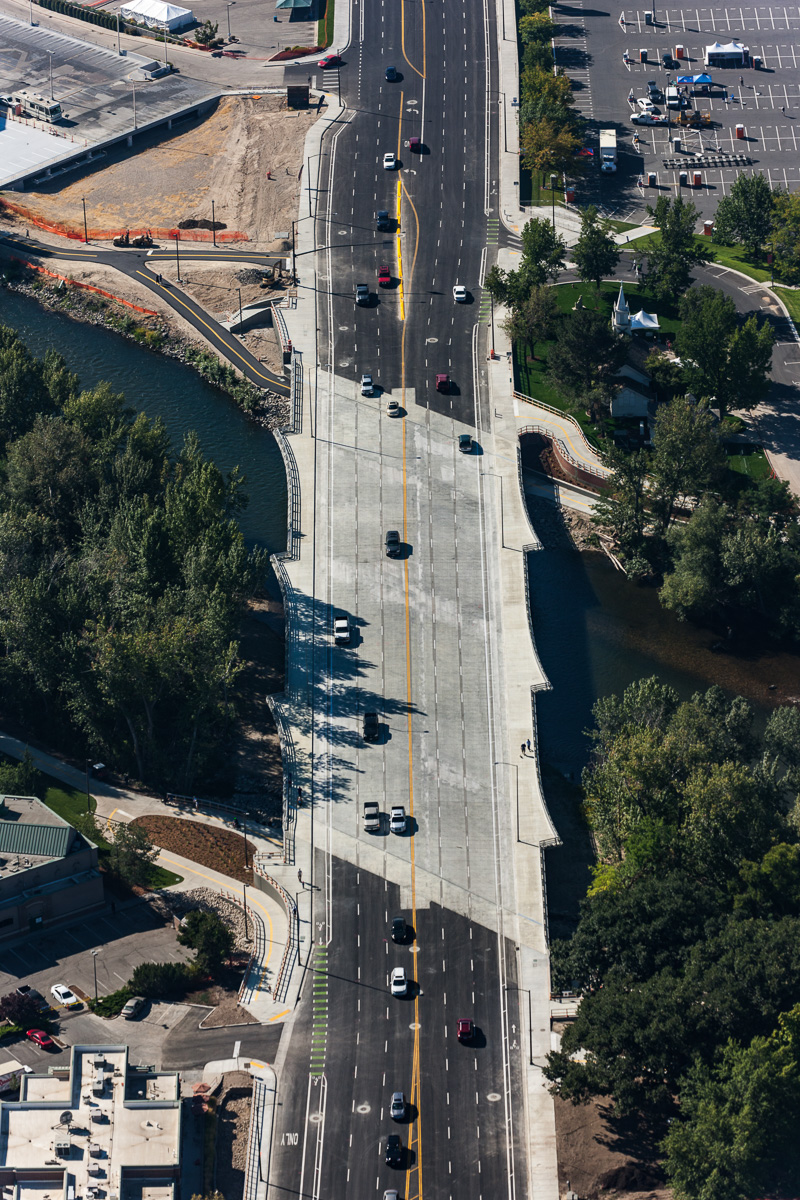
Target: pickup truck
[
  {"x": 397, "y": 819},
  {"x": 341, "y": 631},
  {"x": 372, "y": 816}
]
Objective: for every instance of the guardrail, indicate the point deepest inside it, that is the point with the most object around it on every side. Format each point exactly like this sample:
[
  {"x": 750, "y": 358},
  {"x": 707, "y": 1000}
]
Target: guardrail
[
  {"x": 585, "y": 468},
  {"x": 281, "y": 985},
  {"x": 562, "y": 416},
  {"x": 252, "y": 1176}
]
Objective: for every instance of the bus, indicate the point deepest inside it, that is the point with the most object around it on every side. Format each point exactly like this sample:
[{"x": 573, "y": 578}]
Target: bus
[{"x": 36, "y": 106}]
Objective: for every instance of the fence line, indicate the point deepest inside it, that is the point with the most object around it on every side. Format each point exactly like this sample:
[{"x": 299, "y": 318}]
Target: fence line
[
  {"x": 592, "y": 450},
  {"x": 547, "y": 432}
]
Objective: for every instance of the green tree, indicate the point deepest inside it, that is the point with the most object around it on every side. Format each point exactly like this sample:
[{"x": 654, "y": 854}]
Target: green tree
[
  {"x": 548, "y": 144},
  {"x": 595, "y": 253},
  {"x": 687, "y": 457},
  {"x": 206, "y": 33},
  {"x": 535, "y": 321},
  {"x": 20, "y": 1011},
  {"x": 784, "y": 240},
  {"x": 132, "y": 854},
  {"x": 543, "y": 254},
  {"x": 208, "y": 934},
  {"x": 675, "y": 252},
  {"x": 745, "y": 214},
  {"x": 585, "y": 355},
  {"x": 621, "y": 510},
  {"x": 161, "y": 981},
  {"x": 727, "y": 364}
]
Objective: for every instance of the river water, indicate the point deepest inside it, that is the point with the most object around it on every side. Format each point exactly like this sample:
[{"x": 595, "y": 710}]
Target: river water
[
  {"x": 595, "y": 632},
  {"x": 163, "y": 387}
]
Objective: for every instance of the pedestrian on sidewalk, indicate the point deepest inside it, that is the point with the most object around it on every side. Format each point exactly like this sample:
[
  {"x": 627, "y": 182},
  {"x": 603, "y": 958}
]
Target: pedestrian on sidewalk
[
  {"x": 522, "y": 750},
  {"x": 529, "y": 745},
  {"x": 299, "y": 876},
  {"x": 195, "y": 803}
]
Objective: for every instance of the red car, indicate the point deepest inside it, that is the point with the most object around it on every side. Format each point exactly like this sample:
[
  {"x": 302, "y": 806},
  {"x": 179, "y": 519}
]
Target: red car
[
  {"x": 41, "y": 1038},
  {"x": 465, "y": 1029},
  {"x": 384, "y": 278},
  {"x": 443, "y": 383},
  {"x": 330, "y": 60}
]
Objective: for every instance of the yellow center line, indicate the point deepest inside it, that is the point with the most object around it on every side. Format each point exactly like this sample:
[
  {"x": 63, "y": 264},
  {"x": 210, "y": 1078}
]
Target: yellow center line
[
  {"x": 403, "y": 38},
  {"x": 415, "y": 1131},
  {"x": 214, "y": 335}
]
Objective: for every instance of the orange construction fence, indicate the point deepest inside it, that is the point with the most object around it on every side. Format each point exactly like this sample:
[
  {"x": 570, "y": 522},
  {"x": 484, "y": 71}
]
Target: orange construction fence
[
  {"x": 86, "y": 287},
  {"x": 108, "y": 235}
]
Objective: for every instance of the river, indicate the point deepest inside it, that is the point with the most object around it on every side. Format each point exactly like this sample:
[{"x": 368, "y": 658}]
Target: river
[{"x": 163, "y": 387}]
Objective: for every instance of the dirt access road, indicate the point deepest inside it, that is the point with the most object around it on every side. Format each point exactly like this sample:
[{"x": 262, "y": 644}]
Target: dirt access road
[{"x": 227, "y": 157}]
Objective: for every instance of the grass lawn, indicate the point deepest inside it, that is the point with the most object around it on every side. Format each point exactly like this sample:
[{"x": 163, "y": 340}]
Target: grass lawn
[
  {"x": 791, "y": 299},
  {"x": 726, "y": 256},
  {"x": 325, "y": 27},
  {"x": 531, "y": 380},
  {"x": 755, "y": 465}
]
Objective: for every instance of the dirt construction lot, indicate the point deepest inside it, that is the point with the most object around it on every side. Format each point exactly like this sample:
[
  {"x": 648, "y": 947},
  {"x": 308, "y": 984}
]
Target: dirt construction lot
[{"x": 226, "y": 157}]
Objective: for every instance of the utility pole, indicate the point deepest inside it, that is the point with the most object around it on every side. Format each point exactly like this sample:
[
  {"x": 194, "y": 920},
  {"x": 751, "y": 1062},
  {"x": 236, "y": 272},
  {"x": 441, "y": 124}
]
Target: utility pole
[
  {"x": 294, "y": 270},
  {"x": 178, "y": 257},
  {"x": 133, "y": 85},
  {"x": 228, "y": 13},
  {"x": 119, "y": 48},
  {"x": 85, "y": 229},
  {"x": 553, "y": 179},
  {"x": 239, "y": 290},
  {"x": 94, "y": 964},
  {"x": 246, "y": 929},
  {"x": 213, "y": 224},
  {"x": 52, "y": 97}
]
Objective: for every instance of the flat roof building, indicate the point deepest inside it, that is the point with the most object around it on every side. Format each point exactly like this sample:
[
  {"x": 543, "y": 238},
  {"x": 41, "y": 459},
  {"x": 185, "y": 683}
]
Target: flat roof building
[
  {"x": 98, "y": 1128},
  {"x": 48, "y": 871}
]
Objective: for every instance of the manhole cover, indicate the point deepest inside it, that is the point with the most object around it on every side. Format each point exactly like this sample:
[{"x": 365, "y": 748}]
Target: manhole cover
[{"x": 494, "y": 1097}]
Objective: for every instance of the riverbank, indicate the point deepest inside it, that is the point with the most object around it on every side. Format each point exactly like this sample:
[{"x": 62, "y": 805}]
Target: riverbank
[{"x": 159, "y": 330}]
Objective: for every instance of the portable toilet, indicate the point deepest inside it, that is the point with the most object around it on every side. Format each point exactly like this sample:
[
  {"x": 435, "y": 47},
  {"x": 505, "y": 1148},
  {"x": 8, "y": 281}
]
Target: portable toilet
[
  {"x": 676, "y": 145},
  {"x": 642, "y": 56},
  {"x": 680, "y": 52},
  {"x": 651, "y": 179},
  {"x": 648, "y": 18},
  {"x": 708, "y": 228},
  {"x": 697, "y": 179},
  {"x": 683, "y": 179},
  {"x": 740, "y": 132}
]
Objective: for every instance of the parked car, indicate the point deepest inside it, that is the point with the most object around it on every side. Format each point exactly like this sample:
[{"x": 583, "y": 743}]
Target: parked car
[
  {"x": 64, "y": 997},
  {"x": 31, "y": 993},
  {"x": 645, "y": 104},
  {"x": 41, "y": 1039},
  {"x": 648, "y": 118},
  {"x": 133, "y": 1007}
]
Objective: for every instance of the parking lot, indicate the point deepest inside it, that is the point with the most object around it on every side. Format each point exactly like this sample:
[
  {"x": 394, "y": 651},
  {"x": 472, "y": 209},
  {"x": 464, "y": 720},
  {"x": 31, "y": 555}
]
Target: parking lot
[
  {"x": 592, "y": 48},
  {"x": 130, "y": 936}
]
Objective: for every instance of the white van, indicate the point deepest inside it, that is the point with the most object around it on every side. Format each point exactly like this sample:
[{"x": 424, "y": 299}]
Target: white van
[{"x": 673, "y": 97}]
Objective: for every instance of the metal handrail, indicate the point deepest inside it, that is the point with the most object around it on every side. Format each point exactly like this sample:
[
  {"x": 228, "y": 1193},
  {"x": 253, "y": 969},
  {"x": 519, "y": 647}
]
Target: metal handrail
[
  {"x": 563, "y": 417},
  {"x": 576, "y": 462}
]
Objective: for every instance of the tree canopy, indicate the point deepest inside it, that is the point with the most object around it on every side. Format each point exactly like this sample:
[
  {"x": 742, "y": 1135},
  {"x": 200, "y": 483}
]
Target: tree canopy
[
  {"x": 672, "y": 256},
  {"x": 687, "y": 951},
  {"x": 124, "y": 573}
]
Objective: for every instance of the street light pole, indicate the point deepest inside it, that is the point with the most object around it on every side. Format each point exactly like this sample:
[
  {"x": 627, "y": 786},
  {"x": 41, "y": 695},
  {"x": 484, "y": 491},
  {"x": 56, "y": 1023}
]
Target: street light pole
[
  {"x": 52, "y": 97},
  {"x": 294, "y": 272},
  {"x": 228, "y": 13},
  {"x": 85, "y": 229},
  {"x": 178, "y": 257},
  {"x": 133, "y": 85},
  {"x": 213, "y": 224},
  {"x": 553, "y": 180},
  {"x": 94, "y": 964},
  {"x": 244, "y": 893},
  {"x": 239, "y": 290},
  {"x": 88, "y": 793},
  {"x": 119, "y": 48}
]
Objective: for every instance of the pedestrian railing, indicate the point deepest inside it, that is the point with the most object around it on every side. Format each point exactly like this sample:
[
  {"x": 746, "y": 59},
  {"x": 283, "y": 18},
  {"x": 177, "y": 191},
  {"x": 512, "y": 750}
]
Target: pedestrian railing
[{"x": 570, "y": 420}]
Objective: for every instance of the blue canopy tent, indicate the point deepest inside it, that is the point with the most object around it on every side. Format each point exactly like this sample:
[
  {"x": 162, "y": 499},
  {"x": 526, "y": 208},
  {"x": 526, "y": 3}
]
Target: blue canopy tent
[{"x": 693, "y": 79}]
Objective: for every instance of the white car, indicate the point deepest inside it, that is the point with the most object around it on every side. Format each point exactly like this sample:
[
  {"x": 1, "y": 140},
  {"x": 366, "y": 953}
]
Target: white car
[
  {"x": 397, "y": 819},
  {"x": 645, "y": 104},
  {"x": 341, "y": 631},
  {"x": 366, "y": 385},
  {"x": 399, "y": 984},
  {"x": 389, "y": 161},
  {"x": 460, "y": 293},
  {"x": 63, "y": 996},
  {"x": 648, "y": 118}
]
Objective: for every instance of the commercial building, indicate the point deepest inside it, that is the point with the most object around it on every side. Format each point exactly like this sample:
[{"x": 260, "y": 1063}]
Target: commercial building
[
  {"x": 97, "y": 1128},
  {"x": 48, "y": 871}
]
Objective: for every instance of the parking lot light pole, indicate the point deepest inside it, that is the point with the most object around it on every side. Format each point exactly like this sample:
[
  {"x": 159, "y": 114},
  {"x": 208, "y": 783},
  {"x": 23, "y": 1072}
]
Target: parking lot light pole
[
  {"x": 94, "y": 964},
  {"x": 246, "y": 930},
  {"x": 51, "y": 75},
  {"x": 85, "y": 229},
  {"x": 119, "y": 48},
  {"x": 553, "y": 179},
  {"x": 228, "y": 14}
]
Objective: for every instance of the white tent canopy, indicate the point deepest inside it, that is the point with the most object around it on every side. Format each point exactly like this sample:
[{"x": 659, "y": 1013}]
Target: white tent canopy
[
  {"x": 156, "y": 14},
  {"x": 718, "y": 53},
  {"x": 644, "y": 321}
]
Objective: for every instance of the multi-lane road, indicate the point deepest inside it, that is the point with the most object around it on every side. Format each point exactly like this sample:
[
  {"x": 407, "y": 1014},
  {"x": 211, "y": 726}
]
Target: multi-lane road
[{"x": 426, "y": 655}]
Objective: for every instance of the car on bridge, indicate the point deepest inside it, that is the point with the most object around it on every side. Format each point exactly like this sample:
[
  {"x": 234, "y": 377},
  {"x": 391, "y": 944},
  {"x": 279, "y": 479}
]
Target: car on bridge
[
  {"x": 371, "y": 729},
  {"x": 460, "y": 294},
  {"x": 443, "y": 383},
  {"x": 392, "y": 543},
  {"x": 362, "y": 293},
  {"x": 397, "y": 819},
  {"x": 465, "y": 443},
  {"x": 399, "y": 982},
  {"x": 384, "y": 276},
  {"x": 383, "y": 220},
  {"x": 393, "y": 408},
  {"x": 399, "y": 929},
  {"x": 366, "y": 385},
  {"x": 391, "y": 74},
  {"x": 389, "y": 161},
  {"x": 394, "y": 1151},
  {"x": 398, "y": 1106},
  {"x": 465, "y": 1029}
]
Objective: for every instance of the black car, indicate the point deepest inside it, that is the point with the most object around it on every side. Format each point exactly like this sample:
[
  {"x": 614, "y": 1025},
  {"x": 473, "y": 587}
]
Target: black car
[
  {"x": 667, "y": 62},
  {"x": 399, "y": 929},
  {"x": 370, "y": 727},
  {"x": 392, "y": 543},
  {"x": 383, "y": 219},
  {"x": 394, "y": 1150},
  {"x": 391, "y": 74}
]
